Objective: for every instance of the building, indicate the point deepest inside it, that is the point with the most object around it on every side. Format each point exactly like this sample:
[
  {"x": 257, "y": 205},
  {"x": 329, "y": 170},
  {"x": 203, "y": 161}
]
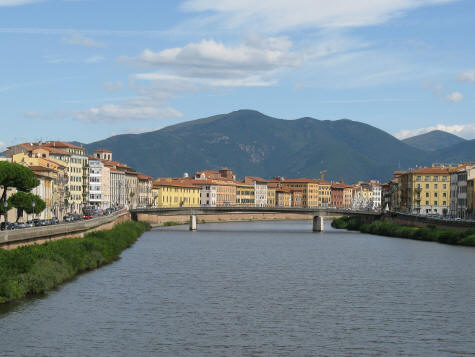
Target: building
[
  {"x": 376, "y": 187},
  {"x": 471, "y": 192},
  {"x": 78, "y": 171},
  {"x": 44, "y": 190},
  {"x": 245, "y": 194},
  {"x": 117, "y": 187},
  {"x": 315, "y": 193},
  {"x": 425, "y": 190},
  {"x": 271, "y": 193},
  {"x": 341, "y": 195},
  {"x": 260, "y": 190},
  {"x": 144, "y": 190},
  {"x": 283, "y": 197},
  {"x": 131, "y": 188},
  {"x": 208, "y": 193},
  {"x": 460, "y": 192},
  {"x": 99, "y": 183},
  {"x": 168, "y": 192}
]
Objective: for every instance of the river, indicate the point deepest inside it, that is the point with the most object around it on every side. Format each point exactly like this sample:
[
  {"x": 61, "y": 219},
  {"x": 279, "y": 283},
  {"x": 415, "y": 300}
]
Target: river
[{"x": 257, "y": 289}]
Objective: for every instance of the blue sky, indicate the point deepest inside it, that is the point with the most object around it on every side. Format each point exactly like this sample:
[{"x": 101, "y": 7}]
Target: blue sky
[{"x": 88, "y": 69}]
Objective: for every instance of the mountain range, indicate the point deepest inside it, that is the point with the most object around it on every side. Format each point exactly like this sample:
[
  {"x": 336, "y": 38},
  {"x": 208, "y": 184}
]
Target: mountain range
[{"x": 252, "y": 143}]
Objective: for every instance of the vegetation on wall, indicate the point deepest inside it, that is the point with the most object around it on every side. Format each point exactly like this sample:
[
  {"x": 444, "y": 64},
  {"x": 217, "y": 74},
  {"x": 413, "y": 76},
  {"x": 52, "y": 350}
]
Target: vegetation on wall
[
  {"x": 35, "y": 269},
  {"x": 432, "y": 234}
]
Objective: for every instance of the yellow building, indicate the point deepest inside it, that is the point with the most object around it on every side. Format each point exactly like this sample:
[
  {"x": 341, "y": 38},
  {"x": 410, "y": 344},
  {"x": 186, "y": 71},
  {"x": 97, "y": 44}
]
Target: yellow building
[
  {"x": 315, "y": 193},
  {"x": 426, "y": 190},
  {"x": 283, "y": 197},
  {"x": 271, "y": 194},
  {"x": 56, "y": 170},
  {"x": 167, "y": 192},
  {"x": 245, "y": 195},
  {"x": 78, "y": 171}
]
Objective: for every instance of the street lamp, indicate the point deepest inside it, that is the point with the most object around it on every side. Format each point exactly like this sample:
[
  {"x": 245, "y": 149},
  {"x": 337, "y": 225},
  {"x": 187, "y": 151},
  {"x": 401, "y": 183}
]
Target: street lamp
[{"x": 33, "y": 204}]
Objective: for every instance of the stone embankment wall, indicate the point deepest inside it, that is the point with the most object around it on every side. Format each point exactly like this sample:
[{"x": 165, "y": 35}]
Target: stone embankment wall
[
  {"x": 156, "y": 220},
  {"x": 38, "y": 235},
  {"x": 421, "y": 221}
]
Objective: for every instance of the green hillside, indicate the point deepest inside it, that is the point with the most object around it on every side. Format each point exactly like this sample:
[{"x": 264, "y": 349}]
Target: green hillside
[
  {"x": 252, "y": 143},
  {"x": 433, "y": 140}
]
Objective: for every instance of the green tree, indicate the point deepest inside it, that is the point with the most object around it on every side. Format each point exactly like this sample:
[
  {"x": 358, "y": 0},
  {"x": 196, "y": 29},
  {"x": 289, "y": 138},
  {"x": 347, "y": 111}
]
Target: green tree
[
  {"x": 14, "y": 175},
  {"x": 24, "y": 201}
]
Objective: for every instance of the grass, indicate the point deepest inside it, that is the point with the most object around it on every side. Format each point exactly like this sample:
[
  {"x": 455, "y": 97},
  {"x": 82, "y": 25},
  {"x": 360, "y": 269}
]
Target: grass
[
  {"x": 35, "y": 269},
  {"x": 430, "y": 233}
]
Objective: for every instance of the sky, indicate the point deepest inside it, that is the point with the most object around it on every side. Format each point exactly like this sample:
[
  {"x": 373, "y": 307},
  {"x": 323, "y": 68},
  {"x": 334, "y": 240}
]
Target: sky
[{"x": 85, "y": 70}]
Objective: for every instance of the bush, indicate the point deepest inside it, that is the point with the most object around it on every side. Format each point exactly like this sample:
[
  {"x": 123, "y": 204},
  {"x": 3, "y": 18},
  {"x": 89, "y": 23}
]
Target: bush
[
  {"x": 389, "y": 229},
  {"x": 38, "y": 268}
]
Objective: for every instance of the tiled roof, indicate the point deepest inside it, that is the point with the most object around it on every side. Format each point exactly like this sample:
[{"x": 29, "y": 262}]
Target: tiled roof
[
  {"x": 103, "y": 150},
  {"x": 54, "y": 150},
  {"x": 62, "y": 144},
  {"x": 173, "y": 183}
]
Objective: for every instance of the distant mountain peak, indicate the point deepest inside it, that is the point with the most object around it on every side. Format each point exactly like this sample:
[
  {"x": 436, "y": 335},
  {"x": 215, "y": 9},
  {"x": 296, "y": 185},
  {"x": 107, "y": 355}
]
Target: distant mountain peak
[{"x": 433, "y": 140}]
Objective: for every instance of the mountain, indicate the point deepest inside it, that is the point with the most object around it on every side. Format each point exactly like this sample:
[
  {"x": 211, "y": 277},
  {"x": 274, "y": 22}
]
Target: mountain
[
  {"x": 252, "y": 143},
  {"x": 433, "y": 140},
  {"x": 462, "y": 152}
]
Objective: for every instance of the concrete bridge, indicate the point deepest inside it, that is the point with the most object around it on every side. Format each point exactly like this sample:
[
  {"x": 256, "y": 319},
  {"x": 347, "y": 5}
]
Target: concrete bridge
[{"x": 318, "y": 213}]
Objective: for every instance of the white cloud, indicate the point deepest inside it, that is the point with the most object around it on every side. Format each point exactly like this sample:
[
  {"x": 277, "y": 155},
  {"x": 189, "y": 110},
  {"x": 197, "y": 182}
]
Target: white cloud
[
  {"x": 140, "y": 109},
  {"x": 466, "y": 131},
  {"x": 454, "y": 97},
  {"x": 213, "y": 63},
  {"x": 467, "y": 76},
  {"x": 81, "y": 40},
  {"x": 438, "y": 91},
  {"x": 16, "y": 2},
  {"x": 113, "y": 87},
  {"x": 280, "y": 15}
]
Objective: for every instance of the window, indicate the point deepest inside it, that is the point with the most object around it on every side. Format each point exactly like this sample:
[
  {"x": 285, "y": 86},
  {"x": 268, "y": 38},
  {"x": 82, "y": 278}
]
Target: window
[
  {"x": 427, "y": 194},
  {"x": 436, "y": 178},
  {"x": 427, "y": 178},
  {"x": 427, "y": 186},
  {"x": 435, "y": 194},
  {"x": 444, "y": 186},
  {"x": 435, "y": 186},
  {"x": 435, "y": 203},
  {"x": 444, "y": 194},
  {"x": 427, "y": 203},
  {"x": 444, "y": 203},
  {"x": 419, "y": 178}
]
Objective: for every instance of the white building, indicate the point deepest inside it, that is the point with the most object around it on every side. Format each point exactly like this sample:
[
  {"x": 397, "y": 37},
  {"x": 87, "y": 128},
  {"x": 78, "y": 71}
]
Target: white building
[
  {"x": 99, "y": 184},
  {"x": 377, "y": 193},
  {"x": 208, "y": 194}
]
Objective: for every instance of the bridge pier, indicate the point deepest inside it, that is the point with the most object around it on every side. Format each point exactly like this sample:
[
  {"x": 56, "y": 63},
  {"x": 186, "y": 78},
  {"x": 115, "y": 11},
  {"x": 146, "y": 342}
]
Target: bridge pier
[
  {"x": 318, "y": 224},
  {"x": 193, "y": 226}
]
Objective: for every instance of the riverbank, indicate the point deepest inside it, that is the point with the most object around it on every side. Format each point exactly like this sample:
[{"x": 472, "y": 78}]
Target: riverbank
[
  {"x": 35, "y": 269},
  {"x": 388, "y": 229}
]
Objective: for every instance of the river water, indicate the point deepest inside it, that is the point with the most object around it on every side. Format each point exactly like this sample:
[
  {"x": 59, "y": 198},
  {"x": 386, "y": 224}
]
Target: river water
[{"x": 257, "y": 289}]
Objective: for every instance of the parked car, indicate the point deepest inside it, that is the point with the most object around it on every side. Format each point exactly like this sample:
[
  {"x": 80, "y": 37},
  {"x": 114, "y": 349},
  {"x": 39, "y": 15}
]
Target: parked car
[
  {"x": 30, "y": 224},
  {"x": 21, "y": 225},
  {"x": 54, "y": 220},
  {"x": 87, "y": 216},
  {"x": 3, "y": 226}
]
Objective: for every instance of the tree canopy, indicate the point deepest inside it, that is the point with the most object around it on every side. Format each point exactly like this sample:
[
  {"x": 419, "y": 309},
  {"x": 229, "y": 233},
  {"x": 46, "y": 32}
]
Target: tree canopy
[
  {"x": 18, "y": 176},
  {"x": 23, "y": 201}
]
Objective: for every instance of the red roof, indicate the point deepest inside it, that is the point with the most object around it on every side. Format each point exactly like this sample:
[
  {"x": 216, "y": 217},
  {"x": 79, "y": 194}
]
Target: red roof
[
  {"x": 103, "y": 150},
  {"x": 62, "y": 144},
  {"x": 53, "y": 150}
]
